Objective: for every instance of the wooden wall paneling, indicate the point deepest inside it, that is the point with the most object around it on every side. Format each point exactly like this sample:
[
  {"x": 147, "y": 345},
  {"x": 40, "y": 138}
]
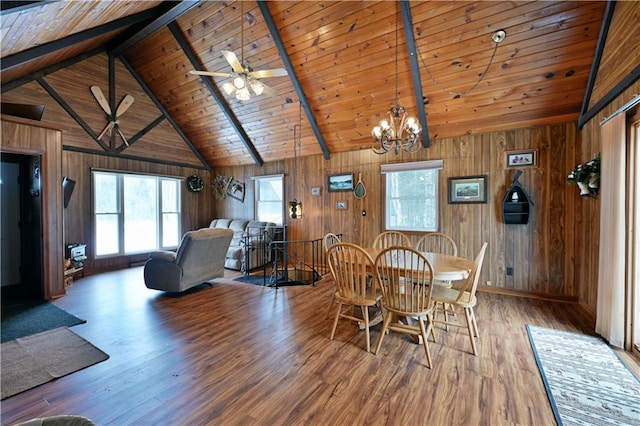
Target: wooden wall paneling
[
  {"x": 35, "y": 138},
  {"x": 196, "y": 207},
  {"x": 536, "y": 251}
]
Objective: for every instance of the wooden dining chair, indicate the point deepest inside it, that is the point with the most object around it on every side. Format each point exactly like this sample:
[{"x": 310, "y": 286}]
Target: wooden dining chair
[
  {"x": 329, "y": 240},
  {"x": 391, "y": 238},
  {"x": 350, "y": 267},
  {"x": 437, "y": 242},
  {"x": 404, "y": 276},
  {"x": 464, "y": 297}
]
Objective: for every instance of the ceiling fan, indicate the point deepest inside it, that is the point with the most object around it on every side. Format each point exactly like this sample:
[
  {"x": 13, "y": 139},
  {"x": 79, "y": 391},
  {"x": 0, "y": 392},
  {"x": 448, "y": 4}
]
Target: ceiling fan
[
  {"x": 112, "y": 119},
  {"x": 243, "y": 75}
]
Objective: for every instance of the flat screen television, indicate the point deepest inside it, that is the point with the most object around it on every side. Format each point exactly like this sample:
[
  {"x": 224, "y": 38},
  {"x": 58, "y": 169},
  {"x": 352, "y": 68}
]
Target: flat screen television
[{"x": 67, "y": 189}]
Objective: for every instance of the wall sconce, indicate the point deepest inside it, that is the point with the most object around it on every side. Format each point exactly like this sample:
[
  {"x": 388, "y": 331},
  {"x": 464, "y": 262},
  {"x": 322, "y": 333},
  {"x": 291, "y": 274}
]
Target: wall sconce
[{"x": 295, "y": 209}]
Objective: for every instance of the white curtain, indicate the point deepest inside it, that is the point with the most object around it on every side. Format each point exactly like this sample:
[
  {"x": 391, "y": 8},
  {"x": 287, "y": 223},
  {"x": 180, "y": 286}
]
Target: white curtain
[{"x": 611, "y": 271}]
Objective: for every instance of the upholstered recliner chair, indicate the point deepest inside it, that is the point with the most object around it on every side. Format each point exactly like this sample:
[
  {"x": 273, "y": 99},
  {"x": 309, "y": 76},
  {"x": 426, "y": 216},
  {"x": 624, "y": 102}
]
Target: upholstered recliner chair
[{"x": 199, "y": 258}]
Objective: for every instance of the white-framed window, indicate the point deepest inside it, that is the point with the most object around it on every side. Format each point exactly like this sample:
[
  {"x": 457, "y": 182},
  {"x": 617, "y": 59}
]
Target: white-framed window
[
  {"x": 135, "y": 213},
  {"x": 411, "y": 197},
  {"x": 269, "y": 198}
]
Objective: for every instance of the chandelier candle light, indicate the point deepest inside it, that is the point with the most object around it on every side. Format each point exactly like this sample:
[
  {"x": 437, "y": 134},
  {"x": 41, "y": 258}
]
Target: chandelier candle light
[{"x": 399, "y": 131}]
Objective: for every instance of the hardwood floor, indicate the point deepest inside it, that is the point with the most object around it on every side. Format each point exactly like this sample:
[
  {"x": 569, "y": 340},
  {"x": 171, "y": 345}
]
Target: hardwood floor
[{"x": 237, "y": 353}]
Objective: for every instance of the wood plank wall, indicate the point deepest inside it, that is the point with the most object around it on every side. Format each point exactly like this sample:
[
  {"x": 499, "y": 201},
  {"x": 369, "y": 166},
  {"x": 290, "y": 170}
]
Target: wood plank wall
[
  {"x": 537, "y": 252},
  {"x": 78, "y": 216},
  {"x": 28, "y": 137}
]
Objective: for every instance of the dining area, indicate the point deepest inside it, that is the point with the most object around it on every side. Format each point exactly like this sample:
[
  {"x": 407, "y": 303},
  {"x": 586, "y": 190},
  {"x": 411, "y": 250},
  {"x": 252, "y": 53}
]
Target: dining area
[{"x": 408, "y": 287}]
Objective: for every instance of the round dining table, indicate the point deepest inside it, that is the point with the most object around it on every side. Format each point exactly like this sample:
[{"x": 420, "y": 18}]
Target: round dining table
[{"x": 445, "y": 267}]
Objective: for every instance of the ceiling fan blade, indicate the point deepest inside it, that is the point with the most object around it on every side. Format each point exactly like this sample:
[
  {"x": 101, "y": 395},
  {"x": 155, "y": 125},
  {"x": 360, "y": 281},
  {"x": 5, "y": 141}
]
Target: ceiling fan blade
[
  {"x": 268, "y": 90},
  {"x": 233, "y": 61},
  {"x": 97, "y": 93},
  {"x": 277, "y": 72},
  {"x": 124, "y": 105},
  {"x": 211, "y": 73},
  {"x": 122, "y": 136},
  {"x": 107, "y": 127}
]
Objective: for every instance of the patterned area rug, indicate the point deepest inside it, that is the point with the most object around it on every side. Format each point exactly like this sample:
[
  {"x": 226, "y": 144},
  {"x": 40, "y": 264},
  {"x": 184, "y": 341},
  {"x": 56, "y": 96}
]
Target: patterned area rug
[{"x": 586, "y": 381}]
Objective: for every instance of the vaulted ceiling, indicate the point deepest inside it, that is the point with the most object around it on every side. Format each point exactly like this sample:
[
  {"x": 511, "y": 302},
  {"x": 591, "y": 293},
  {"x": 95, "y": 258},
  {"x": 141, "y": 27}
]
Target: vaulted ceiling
[{"x": 342, "y": 63}]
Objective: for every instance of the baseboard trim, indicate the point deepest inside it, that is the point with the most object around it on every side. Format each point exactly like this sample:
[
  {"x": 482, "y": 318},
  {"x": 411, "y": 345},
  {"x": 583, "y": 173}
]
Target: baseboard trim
[{"x": 528, "y": 295}]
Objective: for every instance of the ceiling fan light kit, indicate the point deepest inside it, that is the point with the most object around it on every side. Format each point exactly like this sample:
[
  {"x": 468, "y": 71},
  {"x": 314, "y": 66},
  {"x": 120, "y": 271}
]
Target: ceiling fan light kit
[{"x": 243, "y": 75}]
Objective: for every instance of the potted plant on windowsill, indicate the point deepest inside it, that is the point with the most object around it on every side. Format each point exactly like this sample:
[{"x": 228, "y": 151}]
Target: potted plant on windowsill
[{"x": 587, "y": 177}]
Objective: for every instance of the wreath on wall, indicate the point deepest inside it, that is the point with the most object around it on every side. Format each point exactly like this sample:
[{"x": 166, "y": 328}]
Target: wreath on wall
[{"x": 195, "y": 183}]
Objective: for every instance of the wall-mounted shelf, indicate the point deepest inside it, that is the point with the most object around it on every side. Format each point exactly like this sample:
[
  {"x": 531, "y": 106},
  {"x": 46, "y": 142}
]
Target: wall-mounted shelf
[{"x": 516, "y": 204}]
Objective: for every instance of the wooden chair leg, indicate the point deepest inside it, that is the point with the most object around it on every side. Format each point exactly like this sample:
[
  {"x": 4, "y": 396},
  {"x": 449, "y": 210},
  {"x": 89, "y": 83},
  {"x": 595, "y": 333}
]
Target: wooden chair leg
[
  {"x": 475, "y": 324},
  {"x": 365, "y": 314},
  {"x": 468, "y": 314},
  {"x": 335, "y": 320},
  {"x": 385, "y": 329},
  {"x": 423, "y": 332}
]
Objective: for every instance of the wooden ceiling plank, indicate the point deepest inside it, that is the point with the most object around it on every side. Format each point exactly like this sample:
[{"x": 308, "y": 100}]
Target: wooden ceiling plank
[
  {"x": 177, "y": 34},
  {"x": 55, "y": 95},
  {"x": 585, "y": 113},
  {"x": 167, "y": 12},
  {"x": 164, "y": 112},
  {"x": 8, "y": 7},
  {"x": 294, "y": 77},
  {"x": 47, "y": 48},
  {"x": 415, "y": 70}
]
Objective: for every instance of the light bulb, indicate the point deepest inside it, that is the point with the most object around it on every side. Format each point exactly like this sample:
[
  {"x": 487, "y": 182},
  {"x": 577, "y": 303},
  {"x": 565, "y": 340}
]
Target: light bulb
[
  {"x": 257, "y": 87},
  {"x": 243, "y": 94},
  {"x": 228, "y": 88},
  {"x": 238, "y": 82},
  {"x": 376, "y": 132}
]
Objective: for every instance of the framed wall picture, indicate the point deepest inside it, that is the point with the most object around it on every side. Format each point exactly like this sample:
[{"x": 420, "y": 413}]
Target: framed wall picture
[
  {"x": 236, "y": 190},
  {"x": 468, "y": 189},
  {"x": 523, "y": 158},
  {"x": 341, "y": 205},
  {"x": 343, "y": 182}
]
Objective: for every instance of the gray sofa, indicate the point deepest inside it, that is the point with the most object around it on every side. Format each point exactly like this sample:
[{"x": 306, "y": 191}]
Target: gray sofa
[
  {"x": 199, "y": 258},
  {"x": 249, "y": 248}
]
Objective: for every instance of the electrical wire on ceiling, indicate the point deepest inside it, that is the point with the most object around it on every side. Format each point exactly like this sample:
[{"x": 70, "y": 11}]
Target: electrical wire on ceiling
[{"x": 497, "y": 37}]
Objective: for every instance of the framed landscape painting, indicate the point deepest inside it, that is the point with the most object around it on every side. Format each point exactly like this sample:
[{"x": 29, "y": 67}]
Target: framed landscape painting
[
  {"x": 468, "y": 189},
  {"x": 343, "y": 182}
]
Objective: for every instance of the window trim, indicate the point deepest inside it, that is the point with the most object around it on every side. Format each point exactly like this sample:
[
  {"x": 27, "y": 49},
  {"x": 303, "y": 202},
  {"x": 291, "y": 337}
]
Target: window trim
[
  {"x": 386, "y": 169},
  {"x": 256, "y": 195},
  {"x": 159, "y": 178}
]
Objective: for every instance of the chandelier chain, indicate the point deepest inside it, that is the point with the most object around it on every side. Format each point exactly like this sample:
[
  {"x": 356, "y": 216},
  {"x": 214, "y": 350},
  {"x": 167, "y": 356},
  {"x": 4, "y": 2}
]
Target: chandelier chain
[{"x": 457, "y": 95}]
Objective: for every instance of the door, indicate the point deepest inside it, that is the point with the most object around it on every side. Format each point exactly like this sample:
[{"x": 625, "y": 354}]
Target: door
[{"x": 22, "y": 250}]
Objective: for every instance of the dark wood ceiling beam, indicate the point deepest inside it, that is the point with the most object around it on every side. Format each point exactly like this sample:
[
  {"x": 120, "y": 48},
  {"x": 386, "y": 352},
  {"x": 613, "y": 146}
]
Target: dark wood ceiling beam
[
  {"x": 8, "y": 7},
  {"x": 5, "y": 87},
  {"x": 164, "y": 112},
  {"x": 412, "y": 49},
  {"x": 56, "y": 96},
  {"x": 141, "y": 133},
  {"x": 130, "y": 157},
  {"x": 28, "y": 55},
  {"x": 215, "y": 92},
  {"x": 168, "y": 12},
  {"x": 275, "y": 34},
  {"x": 585, "y": 113}
]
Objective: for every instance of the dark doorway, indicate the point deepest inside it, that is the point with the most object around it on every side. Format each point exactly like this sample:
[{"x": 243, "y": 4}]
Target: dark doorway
[{"x": 21, "y": 227}]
